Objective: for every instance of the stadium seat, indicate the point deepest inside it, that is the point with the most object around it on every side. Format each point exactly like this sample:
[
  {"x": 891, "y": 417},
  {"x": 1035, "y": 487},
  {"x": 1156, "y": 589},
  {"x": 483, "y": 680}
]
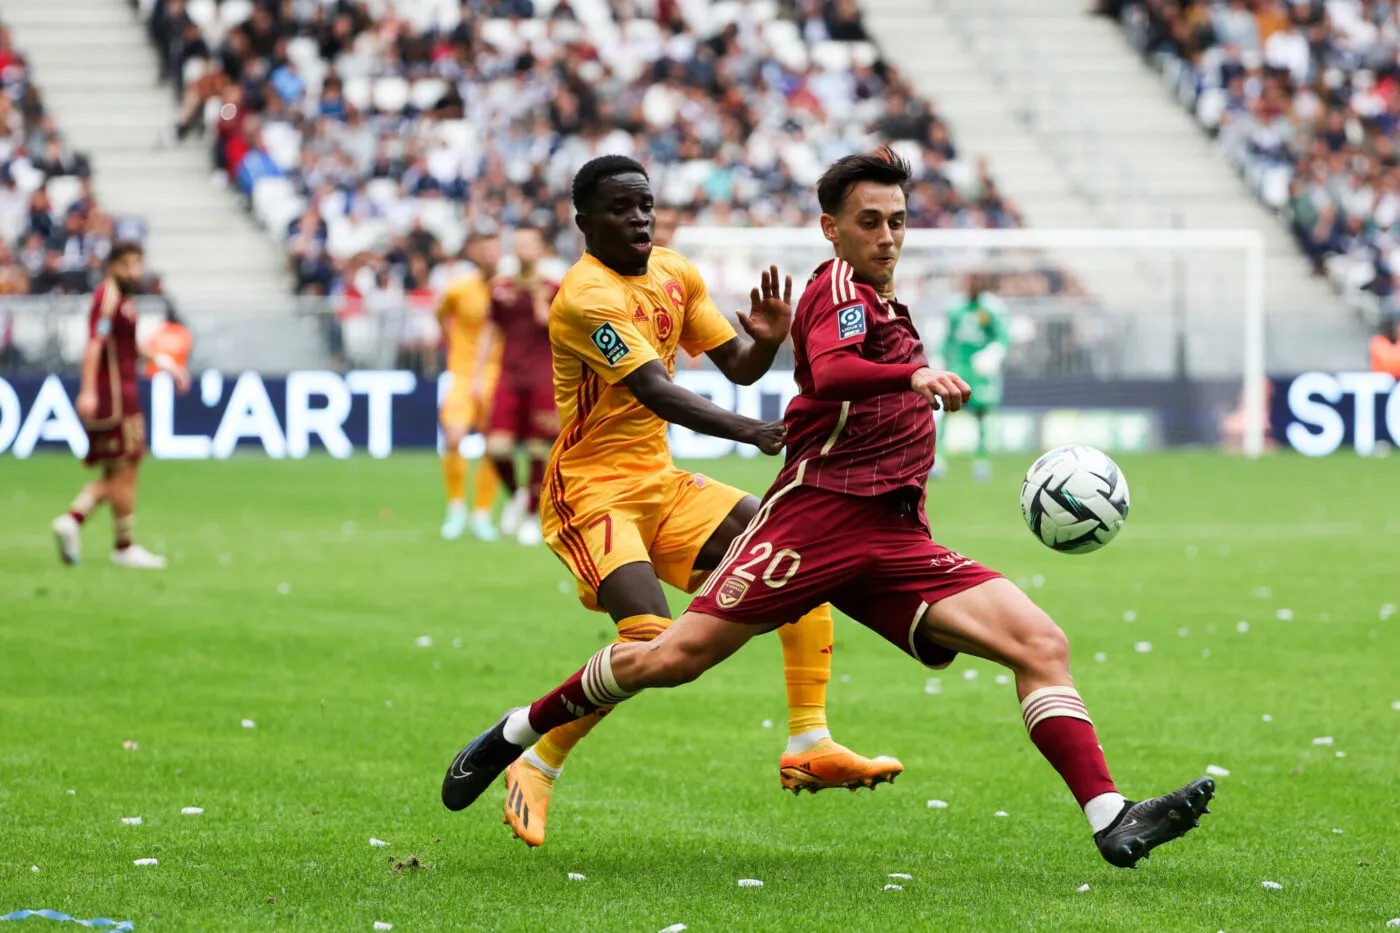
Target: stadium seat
[
  {"x": 235, "y": 12},
  {"x": 832, "y": 56},
  {"x": 357, "y": 92},
  {"x": 390, "y": 95},
  {"x": 267, "y": 192},
  {"x": 500, "y": 33},
  {"x": 382, "y": 191},
  {"x": 205, "y": 15},
  {"x": 302, "y": 51},
  {"x": 63, "y": 190},
  {"x": 426, "y": 92},
  {"x": 283, "y": 143}
]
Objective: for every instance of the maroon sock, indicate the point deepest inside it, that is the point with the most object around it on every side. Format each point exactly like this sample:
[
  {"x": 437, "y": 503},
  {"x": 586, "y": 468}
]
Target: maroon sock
[
  {"x": 536, "y": 483},
  {"x": 77, "y": 516},
  {"x": 590, "y": 688},
  {"x": 1072, "y": 749},
  {"x": 505, "y": 469}
]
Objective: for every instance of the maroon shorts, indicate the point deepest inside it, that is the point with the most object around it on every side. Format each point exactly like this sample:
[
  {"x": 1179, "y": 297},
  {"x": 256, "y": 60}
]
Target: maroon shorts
[
  {"x": 525, "y": 413},
  {"x": 122, "y": 440},
  {"x": 872, "y": 558}
]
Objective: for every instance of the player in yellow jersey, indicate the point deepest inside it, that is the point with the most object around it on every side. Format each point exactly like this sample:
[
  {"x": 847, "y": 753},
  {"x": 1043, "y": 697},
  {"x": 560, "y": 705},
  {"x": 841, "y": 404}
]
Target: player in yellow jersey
[
  {"x": 615, "y": 508},
  {"x": 463, "y": 315}
]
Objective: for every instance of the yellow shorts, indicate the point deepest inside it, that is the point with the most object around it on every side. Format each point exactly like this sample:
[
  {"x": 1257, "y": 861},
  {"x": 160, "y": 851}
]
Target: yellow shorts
[
  {"x": 461, "y": 409},
  {"x": 663, "y": 520}
]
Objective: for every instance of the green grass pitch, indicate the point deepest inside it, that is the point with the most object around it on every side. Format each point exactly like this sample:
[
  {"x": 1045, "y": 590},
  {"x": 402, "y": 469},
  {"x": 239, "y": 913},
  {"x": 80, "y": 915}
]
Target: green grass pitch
[{"x": 298, "y": 590}]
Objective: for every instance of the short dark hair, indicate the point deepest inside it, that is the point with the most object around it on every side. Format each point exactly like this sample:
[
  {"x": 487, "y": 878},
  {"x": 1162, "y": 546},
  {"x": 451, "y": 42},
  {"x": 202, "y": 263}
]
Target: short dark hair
[
  {"x": 123, "y": 248},
  {"x": 596, "y": 170},
  {"x": 885, "y": 167}
]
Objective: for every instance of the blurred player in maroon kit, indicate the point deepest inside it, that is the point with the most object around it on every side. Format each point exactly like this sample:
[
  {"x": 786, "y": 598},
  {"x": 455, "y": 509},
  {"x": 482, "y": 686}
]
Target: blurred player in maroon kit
[
  {"x": 845, "y": 523},
  {"x": 110, "y": 410},
  {"x": 522, "y": 410}
]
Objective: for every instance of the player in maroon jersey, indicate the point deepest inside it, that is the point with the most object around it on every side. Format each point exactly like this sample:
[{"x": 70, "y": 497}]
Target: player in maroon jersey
[
  {"x": 845, "y": 523},
  {"x": 522, "y": 410},
  {"x": 110, "y": 410}
]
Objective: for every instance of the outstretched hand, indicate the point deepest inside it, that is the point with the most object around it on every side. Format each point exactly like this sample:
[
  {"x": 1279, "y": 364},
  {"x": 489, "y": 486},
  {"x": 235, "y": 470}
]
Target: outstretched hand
[
  {"x": 942, "y": 390},
  {"x": 770, "y": 314}
]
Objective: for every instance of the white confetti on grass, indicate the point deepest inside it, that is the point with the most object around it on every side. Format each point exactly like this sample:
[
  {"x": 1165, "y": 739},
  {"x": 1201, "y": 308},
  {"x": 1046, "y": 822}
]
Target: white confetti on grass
[
  {"x": 424, "y": 641},
  {"x": 1242, "y": 627},
  {"x": 1101, "y": 656},
  {"x": 378, "y": 843},
  {"x": 575, "y": 876},
  {"x": 903, "y": 875},
  {"x": 1263, "y": 592},
  {"x": 970, "y": 674},
  {"x": 1395, "y": 705},
  {"x": 1387, "y": 610},
  {"x": 1217, "y": 771},
  {"x": 191, "y": 811},
  {"x": 1143, "y": 647},
  {"x": 1323, "y": 740},
  {"x": 1192, "y": 551},
  {"x": 674, "y": 928},
  {"x": 146, "y": 861},
  {"x": 938, "y": 804},
  {"x": 284, "y": 588},
  {"x": 1038, "y": 580},
  {"x": 1272, "y": 885},
  {"x": 1001, "y": 813},
  {"x": 71, "y": 792},
  {"x": 131, "y": 820},
  {"x": 249, "y": 724},
  {"x": 1284, "y": 615},
  {"x": 33, "y": 867},
  {"x": 1130, "y": 616},
  {"x": 1003, "y": 679},
  {"x": 381, "y": 925},
  {"x": 933, "y": 685},
  {"x": 894, "y": 887},
  {"x": 1205, "y": 652},
  {"x": 750, "y": 883},
  {"x": 1341, "y": 754},
  {"x": 1393, "y": 923},
  {"x": 130, "y": 745},
  {"x": 1183, "y": 632},
  {"x": 1337, "y": 831},
  {"x": 1268, "y": 718},
  {"x": 767, "y": 723},
  {"x": 1082, "y": 888}
]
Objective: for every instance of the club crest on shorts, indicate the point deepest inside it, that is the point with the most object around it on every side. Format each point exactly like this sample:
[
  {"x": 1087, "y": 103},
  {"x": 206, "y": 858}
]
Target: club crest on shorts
[
  {"x": 850, "y": 322},
  {"x": 730, "y": 592},
  {"x": 609, "y": 344}
]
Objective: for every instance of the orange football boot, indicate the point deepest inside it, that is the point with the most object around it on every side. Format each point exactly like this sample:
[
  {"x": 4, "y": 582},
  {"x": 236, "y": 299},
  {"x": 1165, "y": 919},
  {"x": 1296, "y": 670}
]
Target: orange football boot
[
  {"x": 830, "y": 764},
  {"x": 527, "y": 800}
]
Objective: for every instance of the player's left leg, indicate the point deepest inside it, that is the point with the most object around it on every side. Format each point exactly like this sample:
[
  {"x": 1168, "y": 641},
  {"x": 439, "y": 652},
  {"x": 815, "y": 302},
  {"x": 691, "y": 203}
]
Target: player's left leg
[
  {"x": 121, "y": 494},
  {"x": 540, "y": 432},
  {"x": 67, "y": 528},
  {"x": 994, "y": 619},
  {"x": 812, "y": 760}
]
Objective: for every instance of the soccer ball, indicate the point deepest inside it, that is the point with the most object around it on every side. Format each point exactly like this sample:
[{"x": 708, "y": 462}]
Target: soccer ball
[{"x": 1074, "y": 499}]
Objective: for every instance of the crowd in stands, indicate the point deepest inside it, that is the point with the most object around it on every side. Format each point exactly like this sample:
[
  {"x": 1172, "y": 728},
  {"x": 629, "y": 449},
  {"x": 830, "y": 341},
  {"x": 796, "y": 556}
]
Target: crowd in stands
[
  {"x": 54, "y": 235},
  {"x": 1304, "y": 96},
  {"x": 371, "y": 137}
]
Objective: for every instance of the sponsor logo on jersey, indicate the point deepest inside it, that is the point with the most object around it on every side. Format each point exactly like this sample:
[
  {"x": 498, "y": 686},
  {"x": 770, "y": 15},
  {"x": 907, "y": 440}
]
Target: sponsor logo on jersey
[
  {"x": 607, "y": 341},
  {"x": 639, "y": 315},
  {"x": 730, "y": 592},
  {"x": 850, "y": 322}
]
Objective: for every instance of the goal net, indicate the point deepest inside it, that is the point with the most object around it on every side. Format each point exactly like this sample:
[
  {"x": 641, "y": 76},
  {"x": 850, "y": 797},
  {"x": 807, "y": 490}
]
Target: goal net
[{"x": 1164, "y": 322}]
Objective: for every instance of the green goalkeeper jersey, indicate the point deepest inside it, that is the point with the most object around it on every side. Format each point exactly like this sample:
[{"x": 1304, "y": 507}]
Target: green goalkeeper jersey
[{"x": 977, "y": 343}]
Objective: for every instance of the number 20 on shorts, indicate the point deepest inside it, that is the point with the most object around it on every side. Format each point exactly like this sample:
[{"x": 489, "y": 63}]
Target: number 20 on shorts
[{"x": 775, "y": 574}]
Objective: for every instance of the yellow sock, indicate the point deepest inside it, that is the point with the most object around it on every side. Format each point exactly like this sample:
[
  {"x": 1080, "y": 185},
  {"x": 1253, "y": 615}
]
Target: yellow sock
[
  {"x": 484, "y": 489},
  {"x": 454, "y": 475},
  {"x": 807, "y": 647},
  {"x": 554, "y": 747}
]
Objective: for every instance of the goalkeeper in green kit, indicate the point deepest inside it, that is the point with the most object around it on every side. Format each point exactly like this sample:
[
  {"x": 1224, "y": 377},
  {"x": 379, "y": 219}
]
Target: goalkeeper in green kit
[{"x": 975, "y": 348}]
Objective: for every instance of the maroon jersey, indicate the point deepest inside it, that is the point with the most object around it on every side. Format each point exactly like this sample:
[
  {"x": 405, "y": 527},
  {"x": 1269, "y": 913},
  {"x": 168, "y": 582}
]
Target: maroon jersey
[
  {"x": 112, "y": 319},
  {"x": 867, "y": 446},
  {"x": 527, "y": 360}
]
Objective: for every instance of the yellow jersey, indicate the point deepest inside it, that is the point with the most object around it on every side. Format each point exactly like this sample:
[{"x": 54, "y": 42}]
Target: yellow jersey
[
  {"x": 603, "y": 326},
  {"x": 463, "y": 314}
]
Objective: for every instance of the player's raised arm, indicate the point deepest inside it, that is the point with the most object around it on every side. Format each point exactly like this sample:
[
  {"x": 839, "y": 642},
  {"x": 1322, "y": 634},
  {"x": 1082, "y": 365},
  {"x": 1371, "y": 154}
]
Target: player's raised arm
[{"x": 744, "y": 359}]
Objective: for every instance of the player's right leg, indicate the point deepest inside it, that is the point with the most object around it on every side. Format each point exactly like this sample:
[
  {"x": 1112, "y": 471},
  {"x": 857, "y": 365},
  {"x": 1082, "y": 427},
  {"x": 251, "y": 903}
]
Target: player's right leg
[
  {"x": 997, "y": 621},
  {"x": 121, "y": 480},
  {"x": 67, "y": 528},
  {"x": 454, "y": 477},
  {"x": 689, "y": 647}
]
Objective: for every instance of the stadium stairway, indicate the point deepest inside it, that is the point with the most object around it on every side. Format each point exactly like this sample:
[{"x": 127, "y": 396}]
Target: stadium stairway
[
  {"x": 97, "y": 71},
  {"x": 1080, "y": 133}
]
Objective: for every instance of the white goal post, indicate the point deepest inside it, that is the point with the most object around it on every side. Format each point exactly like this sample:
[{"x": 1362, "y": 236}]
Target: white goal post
[{"x": 760, "y": 242}]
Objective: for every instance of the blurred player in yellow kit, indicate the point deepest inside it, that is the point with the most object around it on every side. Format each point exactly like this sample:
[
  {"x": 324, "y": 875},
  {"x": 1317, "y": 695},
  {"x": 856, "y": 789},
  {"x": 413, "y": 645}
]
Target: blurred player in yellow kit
[
  {"x": 615, "y": 508},
  {"x": 463, "y": 315}
]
